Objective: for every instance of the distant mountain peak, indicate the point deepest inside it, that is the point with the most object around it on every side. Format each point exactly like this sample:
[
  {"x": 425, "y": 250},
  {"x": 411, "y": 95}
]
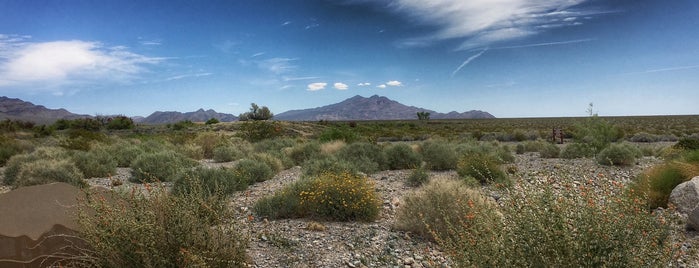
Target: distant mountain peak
[
  {"x": 16, "y": 109},
  {"x": 373, "y": 108}
]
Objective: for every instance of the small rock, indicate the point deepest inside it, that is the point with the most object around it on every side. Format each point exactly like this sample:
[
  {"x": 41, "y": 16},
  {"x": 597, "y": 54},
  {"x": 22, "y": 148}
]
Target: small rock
[{"x": 408, "y": 261}]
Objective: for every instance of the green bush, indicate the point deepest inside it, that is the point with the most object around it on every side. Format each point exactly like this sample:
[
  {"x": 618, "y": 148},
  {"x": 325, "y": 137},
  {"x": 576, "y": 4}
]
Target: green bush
[
  {"x": 304, "y": 151},
  {"x": 253, "y": 171},
  {"x": 577, "y": 150},
  {"x": 270, "y": 160},
  {"x": 432, "y": 208},
  {"x": 124, "y": 153},
  {"x": 161, "y": 230},
  {"x": 120, "y": 122},
  {"x": 343, "y": 133},
  {"x": 618, "y": 155},
  {"x": 227, "y": 153},
  {"x": 44, "y": 171},
  {"x": 644, "y": 137},
  {"x": 656, "y": 183},
  {"x": 10, "y": 147},
  {"x": 401, "y": 156},
  {"x": 318, "y": 166},
  {"x": 688, "y": 143},
  {"x": 549, "y": 150},
  {"x": 484, "y": 168},
  {"x": 439, "y": 155},
  {"x": 366, "y": 157},
  {"x": 97, "y": 163},
  {"x": 583, "y": 226},
  {"x": 208, "y": 141},
  {"x": 596, "y": 133},
  {"x": 17, "y": 162},
  {"x": 161, "y": 166},
  {"x": 211, "y": 180},
  {"x": 255, "y": 131},
  {"x": 417, "y": 177},
  {"x": 330, "y": 196},
  {"x": 212, "y": 121}
]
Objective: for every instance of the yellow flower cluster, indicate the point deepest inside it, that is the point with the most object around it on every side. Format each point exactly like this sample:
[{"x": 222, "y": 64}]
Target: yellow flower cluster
[{"x": 341, "y": 196}]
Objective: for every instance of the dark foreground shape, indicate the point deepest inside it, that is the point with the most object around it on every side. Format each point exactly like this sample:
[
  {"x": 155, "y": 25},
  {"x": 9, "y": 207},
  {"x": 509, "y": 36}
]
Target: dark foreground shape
[{"x": 37, "y": 224}]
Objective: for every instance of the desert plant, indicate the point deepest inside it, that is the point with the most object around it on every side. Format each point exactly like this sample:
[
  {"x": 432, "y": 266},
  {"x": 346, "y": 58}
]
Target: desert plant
[
  {"x": 96, "y": 163},
  {"x": 160, "y": 230},
  {"x": 161, "y": 166},
  {"x": 44, "y": 171},
  {"x": 644, "y": 137},
  {"x": 330, "y": 196},
  {"x": 439, "y": 155},
  {"x": 342, "y": 133},
  {"x": 596, "y": 132},
  {"x": 270, "y": 160},
  {"x": 10, "y": 147},
  {"x": 120, "y": 122},
  {"x": 366, "y": 157},
  {"x": 212, "y": 181},
  {"x": 656, "y": 183},
  {"x": 618, "y": 155},
  {"x": 577, "y": 150},
  {"x": 255, "y": 131},
  {"x": 431, "y": 209},
  {"x": 417, "y": 177},
  {"x": 304, "y": 151},
  {"x": 124, "y": 153},
  {"x": 227, "y": 153},
  {"x": 208, "y": 141},
  {"x": 402, "y": 156},
  {"x": 549, "y": 150},
  {"x": 687, "y": 143},
  {"x": 212, "y": 121},
  {"x": 482, "y": 167},
  {"x": 253, "y": 171},
  {"x": 17, "y": 162},
  {"x": 317, "y": 166},
  {"x": 256, "y": 113},
  {"x": 582, "y": 226}
]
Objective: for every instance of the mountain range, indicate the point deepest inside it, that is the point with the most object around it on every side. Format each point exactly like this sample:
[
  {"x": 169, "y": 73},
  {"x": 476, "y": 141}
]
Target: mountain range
[
  {"x": 372, "y": 108},
  {"x": 355, "y": 108}
]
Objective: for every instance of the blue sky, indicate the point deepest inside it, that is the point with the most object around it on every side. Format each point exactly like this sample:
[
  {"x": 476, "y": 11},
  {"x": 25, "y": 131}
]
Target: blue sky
[{"x": 512, "y": 58}]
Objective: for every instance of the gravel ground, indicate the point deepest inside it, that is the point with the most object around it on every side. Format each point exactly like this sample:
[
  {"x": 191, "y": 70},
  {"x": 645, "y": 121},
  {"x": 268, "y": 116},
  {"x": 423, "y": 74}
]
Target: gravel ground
[{"x": 304, "y": 243}]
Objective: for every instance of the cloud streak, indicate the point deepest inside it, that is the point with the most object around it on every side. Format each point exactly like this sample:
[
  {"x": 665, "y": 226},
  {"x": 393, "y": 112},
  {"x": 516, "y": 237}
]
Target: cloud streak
[
  {"x": 467, "y": 61},
  {"x": 669, "y": 69}
]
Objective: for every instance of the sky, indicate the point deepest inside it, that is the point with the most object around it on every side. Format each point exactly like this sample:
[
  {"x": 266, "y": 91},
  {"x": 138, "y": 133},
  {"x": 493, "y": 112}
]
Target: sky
[{"x": 511, "y": 58}]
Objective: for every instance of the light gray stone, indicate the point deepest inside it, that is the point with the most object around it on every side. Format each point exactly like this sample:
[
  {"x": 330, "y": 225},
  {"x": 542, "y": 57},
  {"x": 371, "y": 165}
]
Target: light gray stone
[
  {"x": 685, "y": 197},
  {"x": 693, "y": 218}
]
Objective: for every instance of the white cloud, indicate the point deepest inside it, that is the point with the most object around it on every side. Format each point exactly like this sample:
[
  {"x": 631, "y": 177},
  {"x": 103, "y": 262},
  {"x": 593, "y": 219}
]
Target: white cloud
[
  {"x": 277, "y": 65},
  {"x": 286, "y": 23},
  {"x": 316, "y": 86},
  {"x": 381, "y": 86},
  {"x": 183, "y": 76},
  {"x": 467, "y": 61},
  {"x": 58, "y": 63},
  {"x": 394, "y": 83},
  {"x": 340, "y": 86},
  {"x": 364, "y": 84},
  {"x": 483, "y": 22}
]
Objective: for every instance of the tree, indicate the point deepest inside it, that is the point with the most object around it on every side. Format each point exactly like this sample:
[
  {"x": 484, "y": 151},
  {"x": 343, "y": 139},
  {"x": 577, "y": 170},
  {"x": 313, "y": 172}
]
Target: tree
[
  {"x": 256, "y": 113},
  {"x": 423, "y": 115}
]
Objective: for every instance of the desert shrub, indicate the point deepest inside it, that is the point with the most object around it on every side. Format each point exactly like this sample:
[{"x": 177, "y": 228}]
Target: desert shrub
[
  {"x": 342, "y": 133},
  {"x": 124, "y": 153},
  {"x": 317, "y": 166},
  {"x": 208, "y": 141},
  {"x": 583, "y": 226},
  {"x": 402, "y": 156},
  {"x": 439, "y": 155},
  {"x": 549, "y": 150},
  {"x": 120, "y": 122},
  {"x": 212, "y": 181},
  {"x": 366, "y": 157},
  {"x": 10, "y": 147},
  {"x": 44, "y": 171},
  {"x": 644, "y": 137},
  {"x": 687, "y": 143},
  {"x": 329, "y": 196},
  {"x": 482, "y": 167},
  {"x": 255, "y": 131},
  {"x": 656, "y": 183},
  {"x": 253, "y": 171},
  {"x": 519, "y": 149},
  {"x": 691, "y": 157},
  {"x": 618, "y": 155},
  {"x": 270, "y": 160},
  {"x": 596, "y": 133},
  {"x": 191, "y": 150},
  {"x": 227, "y": 153},
  {"x": 17, "y": 162},
  {"x": 212, "y": 121},
  {"x": 273, "y": 145},
  {"x": 432, "y": 208},
  {"x": 96, "y": 163},
  {"x": 577, "y": 150},
  {"x": 181, "y": 125},
  {"x": 332, "y": 147},
  {"x": 161, "y": 166},
  {"x": 304, "y": 151},
  {"x": 81, "y": 139},
  {"x": 417, "y": 177},
  {"x": 161, "y": 230}
]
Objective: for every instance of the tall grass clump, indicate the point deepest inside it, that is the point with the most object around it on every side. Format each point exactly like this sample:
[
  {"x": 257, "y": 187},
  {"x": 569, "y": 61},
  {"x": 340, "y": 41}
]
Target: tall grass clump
[
  {"x": 124, "y": 153},
  {"x": 270, "y": 160},
  {"x": 208, "y": 141},
  {"x": 253, "y": 171},
  {"x": 402, "y": 156},
  {"x": 576, "y": 225},
  {"x": 318, "y": 166},
  {"x": 43, "y": 165},
  {"x": 483, "y": 167},
  {"x": 549, "y": 150},
  {"x": 96, "y": 163},
  {"x": 577, "y": 150},
  {"x": 158, "y": 230},
  {"x": 160, "y": 166},
  {"x": 329, "y": 196},
  {"x": 211, "y": 181},
  {"x": 227, "y": 153},
  {"x": 366, "y": 157},
  {"x": 439, "y": 155},
  {"x": 656, "y": 183},
  {"x": 304, "y": 151},
  {"x": 433, "y": 208},
  {"x": 10, "y": 147},
  {"x": 341, "y": 133},
  {"x": 622, "y": 154},
  {"x": 417, "y": 177}
]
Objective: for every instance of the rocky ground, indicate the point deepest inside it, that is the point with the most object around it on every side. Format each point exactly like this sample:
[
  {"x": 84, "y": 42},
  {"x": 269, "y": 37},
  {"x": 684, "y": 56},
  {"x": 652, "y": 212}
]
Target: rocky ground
[{"x": 305, "y": 243}]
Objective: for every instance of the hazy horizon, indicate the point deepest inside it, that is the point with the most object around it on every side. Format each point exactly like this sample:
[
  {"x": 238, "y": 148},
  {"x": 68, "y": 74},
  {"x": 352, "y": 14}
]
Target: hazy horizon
[{"x": 511, "y": 58}]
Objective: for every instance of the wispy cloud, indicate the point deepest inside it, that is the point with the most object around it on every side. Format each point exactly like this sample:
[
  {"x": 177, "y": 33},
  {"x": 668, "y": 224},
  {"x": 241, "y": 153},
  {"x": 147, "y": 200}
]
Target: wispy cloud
[
  {"x": 547, "y": 44},
  {"x": 311, "y": 26},
  {"x": 394, "y": 83},
  {"x": 340, "y": 86},
  {"x": 151, "y": 42},
  {"x": 480, "y": 23},
  {"x": 467, "y": 61},
  {"x": 289, "y": 78},
  {"x": 277, "y": 65},
  {"x": 58, "y": 63},
  {"x": 364, "y": 84},
  {"x": 183, "y": 76},
  {"x": 286, "y": 23},
  {"x": 381, "y": 86},
  {"x": 226, "y": 46},
  {"x": 668, "y": 69},
  {"x": 316, "y": 86}
]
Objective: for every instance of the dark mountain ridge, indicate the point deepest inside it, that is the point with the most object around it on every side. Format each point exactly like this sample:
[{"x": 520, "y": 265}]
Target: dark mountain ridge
[{"x": 16, "y": 109}]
